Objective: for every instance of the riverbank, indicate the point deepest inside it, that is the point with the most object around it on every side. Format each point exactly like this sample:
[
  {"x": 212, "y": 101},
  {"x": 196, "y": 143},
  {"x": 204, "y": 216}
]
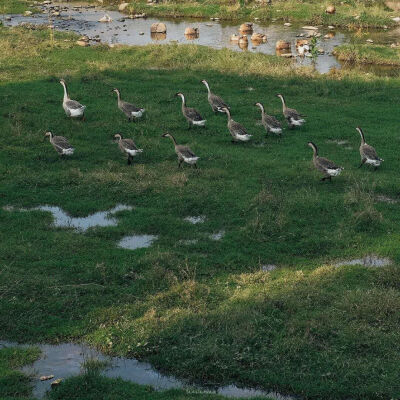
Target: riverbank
[
  {"x": 350, "y": 15},
  {"x": 251, "y": 293},
  {"x": 368, "y": 54}
]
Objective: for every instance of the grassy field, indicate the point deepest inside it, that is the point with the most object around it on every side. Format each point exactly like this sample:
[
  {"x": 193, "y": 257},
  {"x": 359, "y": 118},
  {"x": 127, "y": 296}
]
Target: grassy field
[
  {"x": 204, "y": 311},
  {"x": 349, "y": 13},
  {"x": 14, "y": 6}
]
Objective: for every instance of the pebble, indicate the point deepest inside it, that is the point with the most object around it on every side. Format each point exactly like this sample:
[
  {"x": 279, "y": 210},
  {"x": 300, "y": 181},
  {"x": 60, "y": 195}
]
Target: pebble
[{"x": 287, "y": 24}]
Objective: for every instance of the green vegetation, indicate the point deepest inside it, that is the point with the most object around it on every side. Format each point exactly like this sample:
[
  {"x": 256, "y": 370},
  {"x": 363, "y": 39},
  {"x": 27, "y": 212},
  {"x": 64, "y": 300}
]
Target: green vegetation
[
  {"x": 349, "y": 13},
  {"x": 205, "y": 311},
  {"x": 368, "y": 54},
  {"x": 14, "y": 6},
  {"x": 14, "y": 384},
  {"x": 96, "y": 387}
]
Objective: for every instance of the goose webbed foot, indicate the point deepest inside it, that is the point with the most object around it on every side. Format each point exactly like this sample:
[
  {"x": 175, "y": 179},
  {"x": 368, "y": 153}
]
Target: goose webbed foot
[{"x": 362, "y": 163}]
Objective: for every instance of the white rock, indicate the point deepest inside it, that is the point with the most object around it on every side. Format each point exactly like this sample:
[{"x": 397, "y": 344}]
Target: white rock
[{"x": 123, "y": 6}]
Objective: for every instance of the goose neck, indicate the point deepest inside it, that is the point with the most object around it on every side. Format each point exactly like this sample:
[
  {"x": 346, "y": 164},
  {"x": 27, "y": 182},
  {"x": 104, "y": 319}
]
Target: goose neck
[{"x": 66, "y": 97}]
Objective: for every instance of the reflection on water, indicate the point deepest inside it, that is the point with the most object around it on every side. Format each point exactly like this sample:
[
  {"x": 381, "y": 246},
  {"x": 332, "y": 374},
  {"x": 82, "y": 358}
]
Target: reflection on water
[
  {"x": 66, "y": 360},
  {"x": 136, "y": 241}
]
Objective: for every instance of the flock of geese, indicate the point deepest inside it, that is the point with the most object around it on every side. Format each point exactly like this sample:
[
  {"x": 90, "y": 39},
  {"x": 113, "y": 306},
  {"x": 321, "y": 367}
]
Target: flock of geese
[{"x": 238, "y": 132}]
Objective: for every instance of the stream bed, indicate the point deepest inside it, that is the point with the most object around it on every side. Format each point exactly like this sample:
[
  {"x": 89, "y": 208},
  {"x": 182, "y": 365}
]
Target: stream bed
[{"x": 84, "y": 20}]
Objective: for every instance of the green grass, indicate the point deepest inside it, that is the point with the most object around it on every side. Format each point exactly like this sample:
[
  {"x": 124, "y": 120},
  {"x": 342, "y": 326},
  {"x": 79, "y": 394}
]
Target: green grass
[
  {"x": 95, "y": 387},
  {"x": 14, "y": 384},
  {"x": 206, "y": 311},
  {"x": 349, "y": 14},
  {"x": 368, "y": 54},
  {"x": 14, "y": 6}
]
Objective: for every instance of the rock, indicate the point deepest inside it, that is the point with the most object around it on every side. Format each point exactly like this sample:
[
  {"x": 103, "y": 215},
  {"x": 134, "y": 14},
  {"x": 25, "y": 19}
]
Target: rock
[
  {"x": 281, "y": 45},
  {"x": 106, "y": 18},
  {"x": 141, "y": 33},
  {"x": 121, "y": 19},
  {"x": 321, "y": 51},
  {"x": 28, "y": 13},
  {"x": 310, "y": 28},
  {"x": 396, "y": 19},
  {"x": 246, "y": 27},
  {"x": 82, "y": 43},
  {"x": 287, "y": 24},
  {"x": 258, "y": 37},
  {"x": 301, "y": 42},
  {"x": 329, "y": 35},
  {"x": 330, "y": 9},
  {"x": 393, "y": 5},
  {"x": 8, "y": 18},
  {"x": 191, "y": 31},
  {"x": 287, "y": 55},
  {"x": 56, "y": 382},
  {"x": 369, "y": 41},
  {"x": 331, "y": 27},
  {"x": 123, "y": 6},
  {"x": 46, "y": 377},
  {"x": 158, "y": 27}
]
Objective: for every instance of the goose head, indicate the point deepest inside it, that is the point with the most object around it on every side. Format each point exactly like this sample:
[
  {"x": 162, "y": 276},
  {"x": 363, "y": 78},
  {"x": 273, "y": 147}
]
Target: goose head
[
  {"x": 166, "y": 134},
  {"x": 62, "y": 81},
  {"x": 48, "y": 134},
  {"x": 259, "y": 105},
  {"x": 115, "y": 90},
  {"x": 117, "y": 136}
]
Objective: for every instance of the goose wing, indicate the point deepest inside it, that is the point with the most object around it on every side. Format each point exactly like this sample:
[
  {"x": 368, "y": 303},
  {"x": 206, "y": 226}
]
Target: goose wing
[
  {"x": 238, "y": 129},
  {"x": 73, "y": 105},
  {"x": 129, "y": 144},
  {"x": 369, "y": 152},
  {"x": 193, "y": 114},
  {"x": 61, "y": 142},
  {"x": 216, "y": 101},
  {"x": 129, "y": 108},
  {"x": 272, "y": 121},
  {"x": 186, "y": 151},
  {"x": 326, "y": 164},
  {"x": 293, "y": 114}
]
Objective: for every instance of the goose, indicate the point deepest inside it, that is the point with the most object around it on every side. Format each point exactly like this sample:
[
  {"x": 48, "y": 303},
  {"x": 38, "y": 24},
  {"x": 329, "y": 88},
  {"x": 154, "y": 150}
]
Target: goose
[
  {"x": 128, "y": 109},
  {"x": 184, "y": 153},
  {"x": 368, "y": 153},
  {"x": 238, "y": 131},
  {"x": 72, "y": 108},
  {"x": 293, "y": 117},
  {"x": 128, "y": 147},
  {"x": 216, "y": 103},
  {"x": 271, "y": 124},
  {"x": 61, "y": 144},
  {"x": 327, "y": 167},
  {"x": 192, "y": 116}
]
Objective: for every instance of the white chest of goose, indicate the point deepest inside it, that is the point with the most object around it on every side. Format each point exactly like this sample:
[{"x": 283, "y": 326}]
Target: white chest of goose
[
  {"x": 72, "y": 108},
  {"x": 270, "y": 123},
  {"x": 368, "y": 153},
  {"x": 216, "y": 102},
  {"x": 184, "y": 153},
  {"x": 322, "y": 164},
  {"x": 130, "y": 110},
  {"x": 192, "y": 116},
  {"x": 128, "y": 147},
  {"x": 60, "y": 144},
  {"x": 293, "y": 117},
  {"x": 237, "y": 131}
]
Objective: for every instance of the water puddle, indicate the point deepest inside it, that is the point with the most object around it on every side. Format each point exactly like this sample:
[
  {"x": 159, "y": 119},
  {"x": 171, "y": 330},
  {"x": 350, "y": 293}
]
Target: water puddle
[
  {"x": 268, "y": 267},
  {"x": 136, "y": 241},
  {"x": 62, "y": 220},
  {"x": 217, "y": 236},
  {"x": 367, "y": 261},
  {"x": 66, "y": 360},
  {"x": 196, "y": 220},
  {"x": 123, "y": 30},
  {"x": 386, "y": 199}
]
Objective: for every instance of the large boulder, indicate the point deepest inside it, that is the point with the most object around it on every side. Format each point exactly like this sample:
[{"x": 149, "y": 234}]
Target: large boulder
[{"x": 158, "y": 27}]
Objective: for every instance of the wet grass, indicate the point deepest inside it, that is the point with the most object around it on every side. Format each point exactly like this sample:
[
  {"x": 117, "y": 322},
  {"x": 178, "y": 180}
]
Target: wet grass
[
  {"x": 14, "y": 384},
  {"x": 206, "y": 311},
  {"x": 15, "y": 7},
  {"x": 349, "y": 14},
  {"x": 96, "y": 387}
]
